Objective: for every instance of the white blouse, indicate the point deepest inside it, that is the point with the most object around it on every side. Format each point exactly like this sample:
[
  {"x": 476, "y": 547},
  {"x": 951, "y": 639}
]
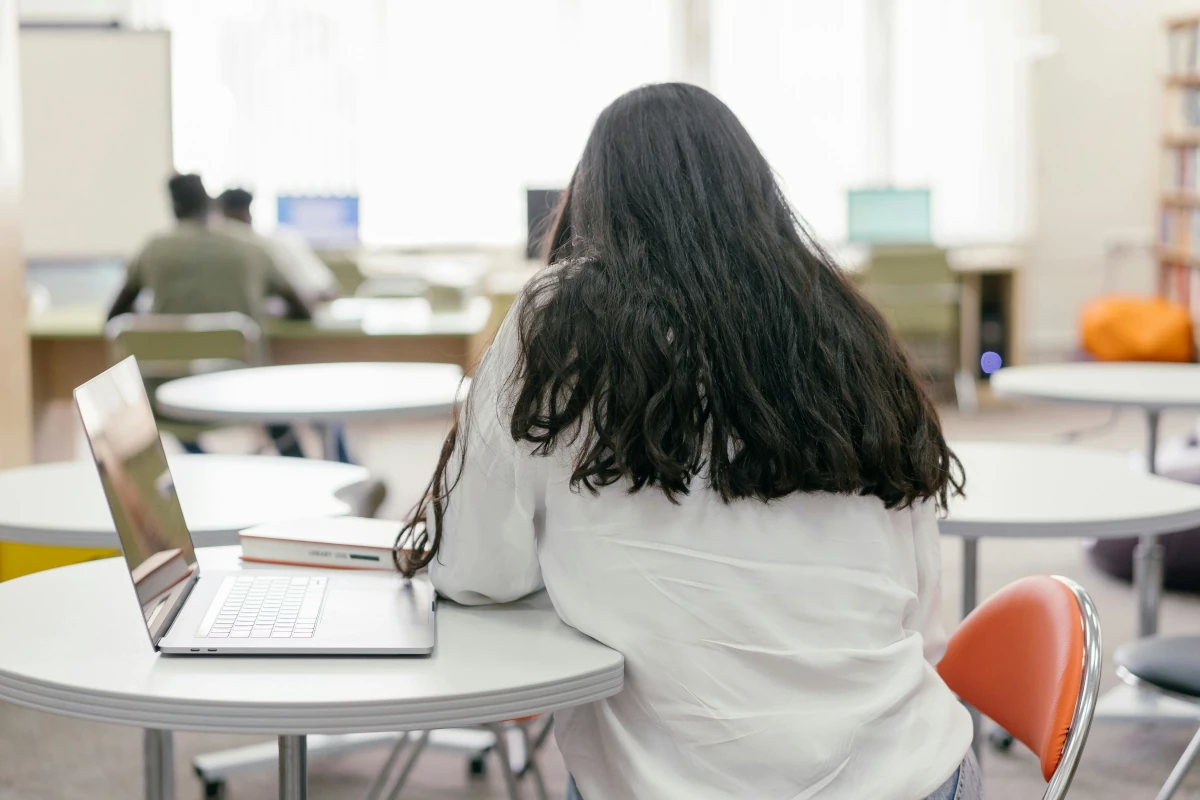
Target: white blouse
[{"x": 781, "y": 650}]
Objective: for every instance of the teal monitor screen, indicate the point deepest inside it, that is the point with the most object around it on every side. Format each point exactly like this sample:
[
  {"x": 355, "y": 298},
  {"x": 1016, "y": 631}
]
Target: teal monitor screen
[{"x": 888, "y": 216}]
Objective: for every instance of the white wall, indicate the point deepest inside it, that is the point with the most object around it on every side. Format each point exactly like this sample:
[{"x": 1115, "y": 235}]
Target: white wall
[
  {"x": 96, "y": 107},
  {"x": 1096, "y": 125},
  {"x": 76, "y": 11}
]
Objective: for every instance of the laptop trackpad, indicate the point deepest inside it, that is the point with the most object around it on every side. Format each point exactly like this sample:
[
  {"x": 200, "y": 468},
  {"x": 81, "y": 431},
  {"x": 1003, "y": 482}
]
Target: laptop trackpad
[{"x": 369, "y": 607}]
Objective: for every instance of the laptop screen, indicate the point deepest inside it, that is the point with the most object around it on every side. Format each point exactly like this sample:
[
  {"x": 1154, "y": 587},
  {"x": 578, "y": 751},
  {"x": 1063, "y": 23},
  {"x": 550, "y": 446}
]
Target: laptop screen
[{"x": 141, "y": 494}]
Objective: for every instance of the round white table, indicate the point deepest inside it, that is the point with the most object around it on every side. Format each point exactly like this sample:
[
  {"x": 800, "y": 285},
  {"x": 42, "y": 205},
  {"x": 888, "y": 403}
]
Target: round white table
[
  {"x": 1053, "y": 491},
  {"x": 63, "y": 503},
  {"x": 1036, "y": 490},
  {"x": 1151, "y": 387},
  {"x": 320, "y": 394},
  {"x": 491, "y": 663}
]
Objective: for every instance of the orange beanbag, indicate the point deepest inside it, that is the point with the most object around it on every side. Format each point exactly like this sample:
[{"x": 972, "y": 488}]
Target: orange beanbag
[{"x": 1125, "y": 328}]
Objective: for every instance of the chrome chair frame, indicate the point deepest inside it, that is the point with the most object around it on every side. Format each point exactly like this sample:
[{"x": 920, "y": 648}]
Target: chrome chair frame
[
  {"x": 1184, "y": 765},
  {"x": 1089, "y": 690}
]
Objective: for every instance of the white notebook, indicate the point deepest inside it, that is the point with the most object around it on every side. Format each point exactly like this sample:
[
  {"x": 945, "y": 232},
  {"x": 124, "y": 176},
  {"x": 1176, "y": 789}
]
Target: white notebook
[{"x": 340, "y": 542}]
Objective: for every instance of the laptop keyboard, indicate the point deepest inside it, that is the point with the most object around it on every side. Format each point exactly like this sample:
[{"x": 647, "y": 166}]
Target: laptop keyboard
[{"x": 266, "y": 607}]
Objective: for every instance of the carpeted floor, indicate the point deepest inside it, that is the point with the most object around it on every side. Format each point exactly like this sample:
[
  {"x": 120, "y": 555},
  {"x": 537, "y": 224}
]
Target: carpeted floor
[{"x": 42, "y": 756}]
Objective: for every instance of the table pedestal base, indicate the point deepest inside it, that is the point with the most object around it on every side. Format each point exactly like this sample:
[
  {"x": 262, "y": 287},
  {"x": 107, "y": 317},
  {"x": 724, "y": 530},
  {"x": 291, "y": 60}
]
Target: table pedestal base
[
  {"x": 970, "y": 598},
  {"x": 1148, "y": 583},
  {"x": 158, "y": 763},
  {"x": 293, "y": 768}
]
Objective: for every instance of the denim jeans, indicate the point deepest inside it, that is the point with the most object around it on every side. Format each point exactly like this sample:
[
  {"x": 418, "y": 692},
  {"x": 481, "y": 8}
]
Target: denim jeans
[
  {"x": 965, "y": 784},
  {"x": 284, "y": 438}
]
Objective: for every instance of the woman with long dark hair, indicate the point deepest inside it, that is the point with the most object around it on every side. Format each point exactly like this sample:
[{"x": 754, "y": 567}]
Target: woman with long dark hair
[{"x": 706, "y": 445}]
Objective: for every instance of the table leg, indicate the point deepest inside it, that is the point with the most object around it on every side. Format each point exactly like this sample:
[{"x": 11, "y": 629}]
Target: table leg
[
  {"x": 329, "y": 440},
  {"x": 970, "y": 598},
  {"x": 329, "y": 433},
  {"x": 506, "y": 770},
  {"x": 293, "y": 768},
  {"x": 968, "y": 342},
  {"x": 970, "y": 576},
  {"x": 158, "y": 754},
  {"x": 1148, "y": 555}
]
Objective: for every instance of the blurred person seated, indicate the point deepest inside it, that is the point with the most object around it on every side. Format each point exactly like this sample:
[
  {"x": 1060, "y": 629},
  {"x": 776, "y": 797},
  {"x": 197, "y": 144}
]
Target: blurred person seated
[
  {"x": 198, "y": 269},
  {"x": 293, "y": 256}
]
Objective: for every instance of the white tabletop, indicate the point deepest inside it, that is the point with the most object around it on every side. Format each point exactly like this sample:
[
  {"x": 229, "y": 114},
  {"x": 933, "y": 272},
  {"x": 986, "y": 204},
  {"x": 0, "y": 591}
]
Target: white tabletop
[
  {"x": 313, "y": 393},
  {"x": 63, "y": 503},
  {"x": 1150, "y": 386},
  {"x": 79, "y": 647},
  {"x": 1032, "y": 490}
]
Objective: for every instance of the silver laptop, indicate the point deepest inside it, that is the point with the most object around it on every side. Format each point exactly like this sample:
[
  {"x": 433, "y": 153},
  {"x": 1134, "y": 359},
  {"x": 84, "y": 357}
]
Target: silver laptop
[{"x": 250, "y": 612}]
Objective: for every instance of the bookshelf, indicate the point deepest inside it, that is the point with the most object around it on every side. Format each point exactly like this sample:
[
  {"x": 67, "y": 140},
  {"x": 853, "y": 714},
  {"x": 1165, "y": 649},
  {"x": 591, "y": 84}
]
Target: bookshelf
[{"x": 1178, "y": 251}]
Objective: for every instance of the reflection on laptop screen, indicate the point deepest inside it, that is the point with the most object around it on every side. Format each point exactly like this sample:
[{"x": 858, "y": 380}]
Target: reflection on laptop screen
[
  {"x": 539, "y": 206},
  {"x": 141, "y": 494}
]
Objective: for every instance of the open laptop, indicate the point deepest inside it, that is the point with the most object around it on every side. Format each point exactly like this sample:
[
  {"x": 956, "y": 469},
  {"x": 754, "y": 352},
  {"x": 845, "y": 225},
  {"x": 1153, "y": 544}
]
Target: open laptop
[{"x": 248, "y": 612}]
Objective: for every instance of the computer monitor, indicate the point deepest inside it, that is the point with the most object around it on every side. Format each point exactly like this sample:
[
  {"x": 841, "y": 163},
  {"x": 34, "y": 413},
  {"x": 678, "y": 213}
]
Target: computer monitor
[
  {"x": 137, "y": 482},
  {"x": 888, "y": 216},
  {"x": 327, "y": 222},
  {"x": 540, "y": 207}
]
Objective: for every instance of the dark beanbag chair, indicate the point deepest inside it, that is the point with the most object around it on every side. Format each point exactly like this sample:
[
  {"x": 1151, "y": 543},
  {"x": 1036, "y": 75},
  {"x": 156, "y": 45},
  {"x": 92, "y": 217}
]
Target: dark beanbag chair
[{"x": 1181, "y": 559}]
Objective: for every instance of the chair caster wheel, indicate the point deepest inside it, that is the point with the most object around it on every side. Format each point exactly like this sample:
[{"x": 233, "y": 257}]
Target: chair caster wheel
[
  {"x": 1001, "y": 740},
  {"x": 477, "y": 767},
  {"x": 214, "y": 790}
]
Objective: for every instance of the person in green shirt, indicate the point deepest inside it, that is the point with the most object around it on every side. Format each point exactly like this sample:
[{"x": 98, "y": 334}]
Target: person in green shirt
[{"x": 199, "y": 269}]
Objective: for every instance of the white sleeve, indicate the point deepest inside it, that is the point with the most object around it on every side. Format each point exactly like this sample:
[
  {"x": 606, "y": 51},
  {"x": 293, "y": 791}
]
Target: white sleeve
[
  {"x": 928, "y": 547},
  {"x": 488, "y": 551}
]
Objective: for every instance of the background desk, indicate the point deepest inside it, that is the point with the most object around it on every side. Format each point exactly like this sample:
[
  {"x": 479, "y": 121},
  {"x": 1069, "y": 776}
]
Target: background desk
[
  {"x": 534, "y": 664},
  {"x": 67, "y": 344}
]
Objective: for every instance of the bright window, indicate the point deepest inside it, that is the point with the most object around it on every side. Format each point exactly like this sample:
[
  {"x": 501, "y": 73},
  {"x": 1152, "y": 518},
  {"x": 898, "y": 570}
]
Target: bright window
[{"x": 440, "y": 114}]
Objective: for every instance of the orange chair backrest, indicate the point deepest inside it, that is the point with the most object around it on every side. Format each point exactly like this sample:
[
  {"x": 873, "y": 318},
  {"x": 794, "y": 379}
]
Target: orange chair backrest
[{"x": 1018, "y": 658}]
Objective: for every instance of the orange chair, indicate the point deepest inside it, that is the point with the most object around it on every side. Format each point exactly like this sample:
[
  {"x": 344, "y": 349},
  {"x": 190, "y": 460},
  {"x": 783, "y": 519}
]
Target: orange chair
[{"x": 1029, "y": 658}]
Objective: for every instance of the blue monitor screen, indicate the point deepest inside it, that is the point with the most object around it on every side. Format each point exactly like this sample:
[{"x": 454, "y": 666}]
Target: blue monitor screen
[
  {"x": 888, "y": 216},
  {"x": 325, "y": 221}
]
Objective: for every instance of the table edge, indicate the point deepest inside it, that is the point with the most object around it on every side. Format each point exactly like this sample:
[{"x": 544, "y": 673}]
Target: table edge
[
  {"x": 328, "y": 718},
  {"x": 1145, "y": 405},
  {"x": 57, "y": 537},
  {"x": 190, "y": 414},
  {"x": 1107, "y": 529}
]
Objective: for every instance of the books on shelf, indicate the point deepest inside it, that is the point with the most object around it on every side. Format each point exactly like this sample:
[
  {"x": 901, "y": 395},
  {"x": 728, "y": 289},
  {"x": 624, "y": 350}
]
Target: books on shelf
[
  {"x": 1183, "y": 109},
  {"x": 1183, "y": 50},
  {"x": 340, "y": 542},
  {"x": 1179, "y": 207},
  {"x": 1180, "y": 284},
  {"x": 1179, "y": 230},
  {"x": 1179, "y": 169}
]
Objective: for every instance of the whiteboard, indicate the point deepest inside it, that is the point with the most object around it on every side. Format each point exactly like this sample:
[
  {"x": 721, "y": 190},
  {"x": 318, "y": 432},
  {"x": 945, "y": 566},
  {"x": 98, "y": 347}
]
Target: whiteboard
[{"x": 96, "y": 117}]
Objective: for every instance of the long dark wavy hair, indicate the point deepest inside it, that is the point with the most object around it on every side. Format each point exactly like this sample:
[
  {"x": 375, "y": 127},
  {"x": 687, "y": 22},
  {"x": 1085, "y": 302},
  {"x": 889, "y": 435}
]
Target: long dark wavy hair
[{"x": 693, "y": 333}]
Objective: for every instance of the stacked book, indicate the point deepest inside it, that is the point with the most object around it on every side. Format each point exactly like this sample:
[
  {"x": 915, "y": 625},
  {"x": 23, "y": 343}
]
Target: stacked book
[{"x": 340, "y": 542}]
